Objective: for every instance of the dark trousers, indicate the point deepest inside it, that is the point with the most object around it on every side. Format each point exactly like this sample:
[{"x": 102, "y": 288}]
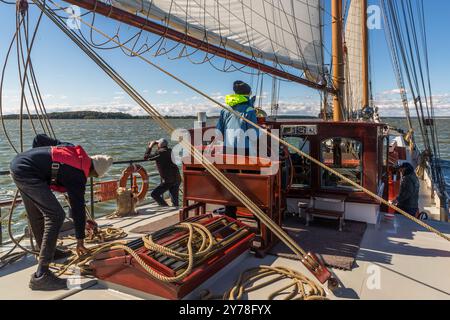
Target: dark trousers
[
  {"x": 410, "y": 211},
  {"x": 173, "y": 189},
  {"x": 45, "y": 214}
]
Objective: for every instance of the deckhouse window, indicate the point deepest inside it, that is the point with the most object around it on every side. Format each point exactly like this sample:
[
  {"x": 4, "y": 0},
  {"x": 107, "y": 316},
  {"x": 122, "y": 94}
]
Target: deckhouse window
[
  {"x": 344, "y": 155},
  {"x": 302, "y": 166}
]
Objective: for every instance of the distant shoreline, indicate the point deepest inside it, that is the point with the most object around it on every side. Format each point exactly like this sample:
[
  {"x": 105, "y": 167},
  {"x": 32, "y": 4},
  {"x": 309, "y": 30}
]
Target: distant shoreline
[
  {"x": 90, "y": 115},
  {"x": 96, "y": 115}
]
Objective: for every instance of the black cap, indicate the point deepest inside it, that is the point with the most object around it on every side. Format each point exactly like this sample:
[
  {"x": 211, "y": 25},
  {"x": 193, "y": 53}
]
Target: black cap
[{"x": 240, "y": 87}]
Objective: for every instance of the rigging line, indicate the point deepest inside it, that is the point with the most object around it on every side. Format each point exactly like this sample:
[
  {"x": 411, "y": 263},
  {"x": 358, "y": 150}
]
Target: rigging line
[
  {"x": 216, "y": 173},
  {"x": 427, "y": 70},
  {"x": 418, "y": 56},
  {"x": 94, "y": 14},
  {"x": 18, "y": 24},
  {"x": 45, "y": 119},
  {"x": 48, "y": 126},
  {"x": 436, "y": 171},
  {"x": 26, "y": 70},
  {"x": 21, "y": 58},
  {"x": 419, "y": 66},
  {"x": 261, "y": 92},
  {"x": 19, "y": 51},
  {"x": 409, "y": 31},
  {"x": 427, "y": 67},
  {"x": 403, "y": 55},
  {"x": 8, "y": 53},
  {"x": 396, "y": 63}
]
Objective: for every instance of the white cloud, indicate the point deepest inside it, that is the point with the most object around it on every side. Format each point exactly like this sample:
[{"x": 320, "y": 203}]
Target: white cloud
[
  {"x": 396, "y": 91},
  {"x": 389, "y": 104}
]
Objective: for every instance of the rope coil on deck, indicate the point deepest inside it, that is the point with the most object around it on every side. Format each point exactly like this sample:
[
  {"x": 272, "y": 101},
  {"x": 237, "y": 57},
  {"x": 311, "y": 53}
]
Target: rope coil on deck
[{"x": 299, "y": 288}]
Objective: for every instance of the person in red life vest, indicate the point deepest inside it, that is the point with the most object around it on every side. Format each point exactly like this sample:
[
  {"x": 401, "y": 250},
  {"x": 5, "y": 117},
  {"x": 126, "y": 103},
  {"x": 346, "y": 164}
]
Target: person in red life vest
[{"x": 36, "y": 173}]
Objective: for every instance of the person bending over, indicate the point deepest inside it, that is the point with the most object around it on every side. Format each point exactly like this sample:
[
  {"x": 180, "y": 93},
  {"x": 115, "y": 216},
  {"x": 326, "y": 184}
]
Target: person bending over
[{"x": 36, "y": 173}]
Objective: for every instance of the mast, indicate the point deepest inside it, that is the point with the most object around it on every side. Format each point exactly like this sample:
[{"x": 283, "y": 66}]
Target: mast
[
  {"x": 365, "y": 56},
  {"x": 338, "y": 58}
]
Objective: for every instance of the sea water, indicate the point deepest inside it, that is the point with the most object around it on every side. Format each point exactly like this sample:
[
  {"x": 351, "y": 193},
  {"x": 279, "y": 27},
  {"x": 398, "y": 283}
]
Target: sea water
[{"x": 127, "y": 139}]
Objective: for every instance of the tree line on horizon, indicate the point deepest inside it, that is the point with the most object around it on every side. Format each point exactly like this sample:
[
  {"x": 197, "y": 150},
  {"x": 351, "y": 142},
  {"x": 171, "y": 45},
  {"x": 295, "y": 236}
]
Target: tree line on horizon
[
  {"x": 89, "y": 115},
  {"x": 93, "y": 115}
]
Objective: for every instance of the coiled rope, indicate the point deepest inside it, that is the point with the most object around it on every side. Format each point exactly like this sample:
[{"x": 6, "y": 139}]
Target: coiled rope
[
  {"x": 301, "y": 287},
  {"x": 205, "y": 248}
]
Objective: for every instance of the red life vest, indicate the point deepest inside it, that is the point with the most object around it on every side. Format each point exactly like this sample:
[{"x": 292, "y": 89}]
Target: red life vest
[{"x": 75, "y": 157}]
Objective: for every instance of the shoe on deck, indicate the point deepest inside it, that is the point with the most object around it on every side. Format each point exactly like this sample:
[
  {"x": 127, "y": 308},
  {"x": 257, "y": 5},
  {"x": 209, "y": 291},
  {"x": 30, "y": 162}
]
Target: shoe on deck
[
  {"x": 62, "y": 254},
  {"x": 47, "y": 282}
]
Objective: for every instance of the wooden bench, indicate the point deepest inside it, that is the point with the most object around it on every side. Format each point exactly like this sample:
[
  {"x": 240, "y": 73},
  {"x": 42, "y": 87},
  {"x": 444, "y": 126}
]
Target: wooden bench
[{"x": 330, "y": 207}]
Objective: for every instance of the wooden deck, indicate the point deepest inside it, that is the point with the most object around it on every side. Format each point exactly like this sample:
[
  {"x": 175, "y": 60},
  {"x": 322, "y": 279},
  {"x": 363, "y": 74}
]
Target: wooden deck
[{"x": 397, "y": 260}]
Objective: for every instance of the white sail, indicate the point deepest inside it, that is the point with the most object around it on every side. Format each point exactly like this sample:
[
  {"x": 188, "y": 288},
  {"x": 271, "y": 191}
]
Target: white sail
[
  {"x": 287, "y": 32},
  {"x": 354, "y": 59}
]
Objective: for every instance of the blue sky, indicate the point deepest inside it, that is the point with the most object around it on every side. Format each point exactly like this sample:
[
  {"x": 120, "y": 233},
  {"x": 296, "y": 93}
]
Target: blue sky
[{"x": 70, "y": 81}]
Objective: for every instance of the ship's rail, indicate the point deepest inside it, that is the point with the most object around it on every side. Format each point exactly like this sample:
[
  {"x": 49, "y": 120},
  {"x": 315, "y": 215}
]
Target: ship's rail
[
  {"x": 435, "y": 189},
  {"x": 91, "y": 185}
]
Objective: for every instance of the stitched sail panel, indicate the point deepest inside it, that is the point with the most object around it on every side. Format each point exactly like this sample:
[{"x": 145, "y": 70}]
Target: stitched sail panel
[
  {"x": 287, "y": 32},
  {"x": 353, "y": 41}
]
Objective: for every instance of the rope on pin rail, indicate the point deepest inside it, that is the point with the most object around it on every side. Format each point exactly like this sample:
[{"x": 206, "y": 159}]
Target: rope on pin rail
[
  {"x": 158, "y": 117},
  {"x": 194, "y": 231}
]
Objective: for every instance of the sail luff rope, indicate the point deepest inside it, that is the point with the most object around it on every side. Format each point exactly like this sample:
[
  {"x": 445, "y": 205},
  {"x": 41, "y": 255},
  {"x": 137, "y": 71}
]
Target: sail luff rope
[{"x": 265, "y": 131}]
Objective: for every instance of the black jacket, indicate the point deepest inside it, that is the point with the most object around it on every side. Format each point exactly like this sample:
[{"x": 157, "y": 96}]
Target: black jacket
[
  {"x": 43, "y": 140},
  {"x": 409, "y": 191},
  {"x": 168, "y": 170},
  {"x": 36, "y": 164}
]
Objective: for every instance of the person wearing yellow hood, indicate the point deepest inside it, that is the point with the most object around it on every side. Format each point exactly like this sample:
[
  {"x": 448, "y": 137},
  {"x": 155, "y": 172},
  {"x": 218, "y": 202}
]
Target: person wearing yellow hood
[{"x": 234, "y": 130}]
